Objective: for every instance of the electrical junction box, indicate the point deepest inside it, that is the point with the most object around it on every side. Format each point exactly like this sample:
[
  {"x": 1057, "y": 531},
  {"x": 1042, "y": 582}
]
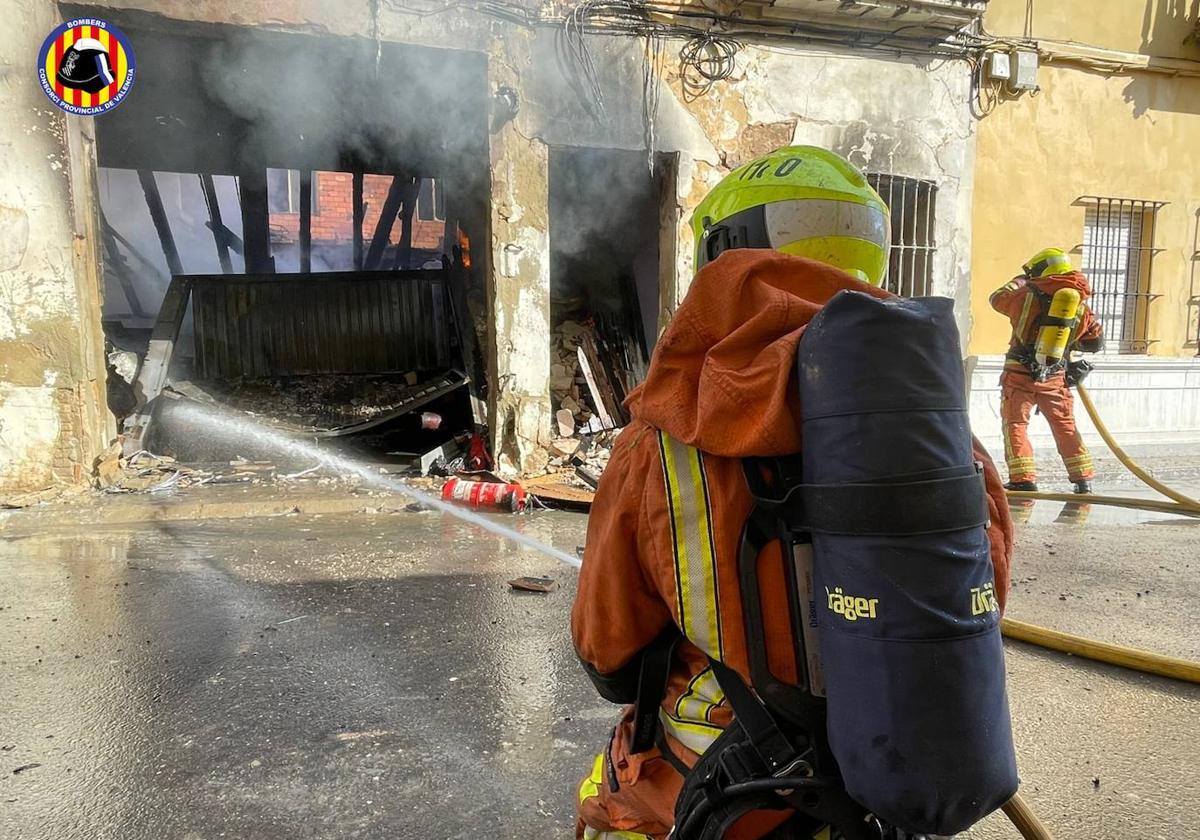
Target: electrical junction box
[
  {"x": 999, "y": 66},
  {"x": 1024, "y": 70}
]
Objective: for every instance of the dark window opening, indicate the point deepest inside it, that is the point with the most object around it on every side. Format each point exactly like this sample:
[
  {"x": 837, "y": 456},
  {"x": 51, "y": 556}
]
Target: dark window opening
[{"x": 913, "y": 205}]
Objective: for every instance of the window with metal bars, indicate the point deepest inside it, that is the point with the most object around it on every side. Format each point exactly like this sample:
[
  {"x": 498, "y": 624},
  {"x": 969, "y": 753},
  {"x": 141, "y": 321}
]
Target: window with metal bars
[
  {"x": 913, "y": 204},
  {"x": 1118, "y": 255}
]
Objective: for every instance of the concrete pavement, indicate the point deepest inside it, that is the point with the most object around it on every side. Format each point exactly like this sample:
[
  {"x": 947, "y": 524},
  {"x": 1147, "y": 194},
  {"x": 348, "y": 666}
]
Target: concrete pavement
[{"x": 366, "y": 675}]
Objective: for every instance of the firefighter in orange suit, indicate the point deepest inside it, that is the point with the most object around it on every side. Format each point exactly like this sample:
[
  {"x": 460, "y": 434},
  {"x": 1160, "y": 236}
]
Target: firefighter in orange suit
[
  {"x": 664, "y": 529},
  {"x": 1026, "y": 383}
]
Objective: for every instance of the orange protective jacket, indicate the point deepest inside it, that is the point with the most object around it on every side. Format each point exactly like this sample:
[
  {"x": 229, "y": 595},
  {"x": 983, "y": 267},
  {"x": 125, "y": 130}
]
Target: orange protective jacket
[
  {"x": 1016, "y": 300},
  {"x": 665, "y": 525}
]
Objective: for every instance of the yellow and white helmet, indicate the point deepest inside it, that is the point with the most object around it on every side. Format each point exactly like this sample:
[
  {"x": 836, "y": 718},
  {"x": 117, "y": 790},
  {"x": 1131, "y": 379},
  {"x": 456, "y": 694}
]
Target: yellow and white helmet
[
  {"x": 1048, "y": 263},
  {"x": 800, "y": 200}
]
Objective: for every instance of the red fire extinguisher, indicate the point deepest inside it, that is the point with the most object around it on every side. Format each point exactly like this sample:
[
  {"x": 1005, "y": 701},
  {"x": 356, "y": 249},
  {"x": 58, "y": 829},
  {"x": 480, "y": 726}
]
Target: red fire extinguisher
[{"x": 480, "y": 494}]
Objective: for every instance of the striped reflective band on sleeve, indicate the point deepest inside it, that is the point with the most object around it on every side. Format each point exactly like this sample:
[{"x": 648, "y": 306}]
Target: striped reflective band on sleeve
[
  {"x": 692, "y": 543},
  {"x": 590, "y": 787},
  {"x": 1010, "y": 286},
  {"x": 1024, "y": 322},
  {"x": 590, "y": 833},
  {"x": 702, "y": 696},
  {"x": 697, "y": 737}
]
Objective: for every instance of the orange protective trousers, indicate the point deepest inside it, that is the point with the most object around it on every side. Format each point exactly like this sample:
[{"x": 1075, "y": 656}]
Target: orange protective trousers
[{"x": 1019, "y": 393}]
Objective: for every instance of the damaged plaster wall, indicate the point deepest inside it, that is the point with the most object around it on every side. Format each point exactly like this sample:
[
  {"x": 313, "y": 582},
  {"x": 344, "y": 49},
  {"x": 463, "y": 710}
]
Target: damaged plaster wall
[
  {"x": 519, "y": 369},
  {"x": 53, "y": 419},
  {"x": 887, "y": 115},
  {"x": 901, "y": 116}
]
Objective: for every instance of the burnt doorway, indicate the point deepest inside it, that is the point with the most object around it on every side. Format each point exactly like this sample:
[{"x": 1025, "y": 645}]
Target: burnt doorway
[
  {"x": 606, "y": 276},
  {"x": 292, "y": 238}
]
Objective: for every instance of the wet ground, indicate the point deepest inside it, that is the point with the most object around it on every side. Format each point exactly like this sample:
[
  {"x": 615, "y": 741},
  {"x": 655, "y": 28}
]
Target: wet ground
[{"x": 371, "y": 674}]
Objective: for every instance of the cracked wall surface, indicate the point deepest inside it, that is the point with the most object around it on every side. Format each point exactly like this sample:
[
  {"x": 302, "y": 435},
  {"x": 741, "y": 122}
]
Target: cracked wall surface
[
  {"x": 901, "y": 116},
  {"x": 519, "y": 287},
  {"x": 893, "y": 116},
  {"x": 888, "y": 114},
  {"x": 52, "y": 411}
]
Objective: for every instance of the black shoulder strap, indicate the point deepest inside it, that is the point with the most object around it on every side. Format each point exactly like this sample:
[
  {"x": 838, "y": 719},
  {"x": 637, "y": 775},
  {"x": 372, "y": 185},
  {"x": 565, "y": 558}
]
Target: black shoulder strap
[
  {"x": 652, "y": 685},
  {"x": 768, "y": 740}
]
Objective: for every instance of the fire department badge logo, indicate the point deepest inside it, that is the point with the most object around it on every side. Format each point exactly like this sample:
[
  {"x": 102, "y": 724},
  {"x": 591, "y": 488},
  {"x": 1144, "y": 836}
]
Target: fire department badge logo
[{"x": 86, "y": 67}]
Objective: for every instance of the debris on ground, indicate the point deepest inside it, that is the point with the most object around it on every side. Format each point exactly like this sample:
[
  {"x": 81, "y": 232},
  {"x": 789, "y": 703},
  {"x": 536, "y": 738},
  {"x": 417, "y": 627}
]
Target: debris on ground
[
  {"x": 534, "y": 584},
  {"x": 25, "y": 767},
  {"x": 20, "y": 501},
  {"x": 572, "y": 472},
  {"x": 560, "y": 490},
  {"x": 567, "y": 384},
  {"x": 324, "y": 404},
  {"x": 112, "y": 472}
]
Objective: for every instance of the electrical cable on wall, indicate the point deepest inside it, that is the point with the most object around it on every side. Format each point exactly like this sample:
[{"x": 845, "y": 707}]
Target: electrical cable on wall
[
  {"x": 711, "y": 40},
  {"x": 705, "y": 60}
]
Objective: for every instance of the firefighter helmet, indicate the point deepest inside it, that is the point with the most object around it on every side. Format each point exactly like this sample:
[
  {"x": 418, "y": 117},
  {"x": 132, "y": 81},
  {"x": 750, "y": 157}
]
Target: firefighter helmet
[
  {"x": 86, "y": 66},
  {"x": 1048, "y": 263},
  {"x": 800, "y": 200}
]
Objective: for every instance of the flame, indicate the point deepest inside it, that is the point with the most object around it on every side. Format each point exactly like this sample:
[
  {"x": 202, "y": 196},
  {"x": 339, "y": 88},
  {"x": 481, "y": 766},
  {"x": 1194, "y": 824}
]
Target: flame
[{"x": 464, "y": 244}]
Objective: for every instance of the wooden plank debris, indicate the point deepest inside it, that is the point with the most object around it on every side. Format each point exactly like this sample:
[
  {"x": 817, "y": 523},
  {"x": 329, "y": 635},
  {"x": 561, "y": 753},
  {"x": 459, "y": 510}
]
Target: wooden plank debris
[
  {"x": 153, "y": 375},
  {"x": 599, "y": 385}
]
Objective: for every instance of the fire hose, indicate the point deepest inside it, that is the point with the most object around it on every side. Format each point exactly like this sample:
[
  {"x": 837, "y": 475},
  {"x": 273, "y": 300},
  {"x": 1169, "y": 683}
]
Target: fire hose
[
  {"x": 1021, "y": 816},
  {"x": 1124, "y": 657}
]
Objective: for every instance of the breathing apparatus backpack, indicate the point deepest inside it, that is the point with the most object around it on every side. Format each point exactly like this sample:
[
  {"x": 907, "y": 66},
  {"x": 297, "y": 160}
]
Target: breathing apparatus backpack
[
  {"x": 1053, "y": 331},
  {"x": 899, "y": 725}
]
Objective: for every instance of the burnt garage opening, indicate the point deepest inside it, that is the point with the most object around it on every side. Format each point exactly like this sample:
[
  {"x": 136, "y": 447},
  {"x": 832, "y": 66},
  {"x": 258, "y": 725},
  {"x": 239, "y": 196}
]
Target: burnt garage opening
[
  {"x": 292, "y": 238},
  {"x": 606, "y": 274}
]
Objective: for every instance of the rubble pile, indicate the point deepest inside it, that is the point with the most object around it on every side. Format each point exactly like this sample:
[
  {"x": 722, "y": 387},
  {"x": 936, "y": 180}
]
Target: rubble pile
[
  {"x": 112, "y": 472},
  {"x": 567, "y": 384},
  {"x": 147, "y": 472},
  {"x": 573, "y": 470},
  {"x": 313, "y": 402}
]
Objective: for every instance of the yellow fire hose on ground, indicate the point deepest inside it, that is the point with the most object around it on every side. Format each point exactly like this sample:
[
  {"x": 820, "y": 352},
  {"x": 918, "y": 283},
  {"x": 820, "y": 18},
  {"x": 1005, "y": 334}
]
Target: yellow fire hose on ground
[
  {"x": 1016, "y": 810},
  {"x": 1150, "y": 663}
]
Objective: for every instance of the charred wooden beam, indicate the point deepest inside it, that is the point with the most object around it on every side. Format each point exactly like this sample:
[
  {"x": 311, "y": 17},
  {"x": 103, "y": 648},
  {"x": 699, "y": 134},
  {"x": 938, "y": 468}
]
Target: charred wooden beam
[
  {"x": 215, "y": 224},
  {"x": 404, "y": 250},
  {"x": 153, "y": 375},
  {"x": 256, "y": 229},
  {"x": 306, "y": 220},
  {"x": 387, "y": 219},
  {"x": 230, "y": 239},
  {"x": 162, "y": 225},
  {"x": 120, "y": 267},
  {"x": 359, "y": 212}
]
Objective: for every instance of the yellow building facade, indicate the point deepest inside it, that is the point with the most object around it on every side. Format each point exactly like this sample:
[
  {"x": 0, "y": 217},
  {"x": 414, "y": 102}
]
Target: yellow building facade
[{"x": 1103, "y": 160}]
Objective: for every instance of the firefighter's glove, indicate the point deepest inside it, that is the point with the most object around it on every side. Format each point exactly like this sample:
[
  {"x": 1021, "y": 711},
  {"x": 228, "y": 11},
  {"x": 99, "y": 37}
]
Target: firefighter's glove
[{"x": 1078, "y": 371}]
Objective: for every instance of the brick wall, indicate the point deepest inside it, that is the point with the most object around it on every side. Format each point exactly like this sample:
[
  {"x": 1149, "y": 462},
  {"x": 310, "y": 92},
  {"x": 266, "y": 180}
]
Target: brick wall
[{"x": 333, "y": 220}]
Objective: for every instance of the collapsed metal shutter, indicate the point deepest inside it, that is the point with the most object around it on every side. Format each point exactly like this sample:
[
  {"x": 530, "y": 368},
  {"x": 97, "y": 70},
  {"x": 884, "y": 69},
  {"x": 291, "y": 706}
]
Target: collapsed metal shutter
[{"x": 345, "y": 322}]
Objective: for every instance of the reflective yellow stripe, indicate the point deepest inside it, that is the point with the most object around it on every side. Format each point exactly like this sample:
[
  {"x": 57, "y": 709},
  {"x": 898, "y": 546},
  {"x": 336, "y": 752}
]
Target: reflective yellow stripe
[
  {"x": 1024, "y": 316},
  {"x": 1010, "y": 286},
  {"x": 590, "y": 787},
  {"x": 702, "y": 696},
  {"x": 590, "y": 833},
  {"x": 697, "y": 737},
  {"x": 692, "y": 540}
]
